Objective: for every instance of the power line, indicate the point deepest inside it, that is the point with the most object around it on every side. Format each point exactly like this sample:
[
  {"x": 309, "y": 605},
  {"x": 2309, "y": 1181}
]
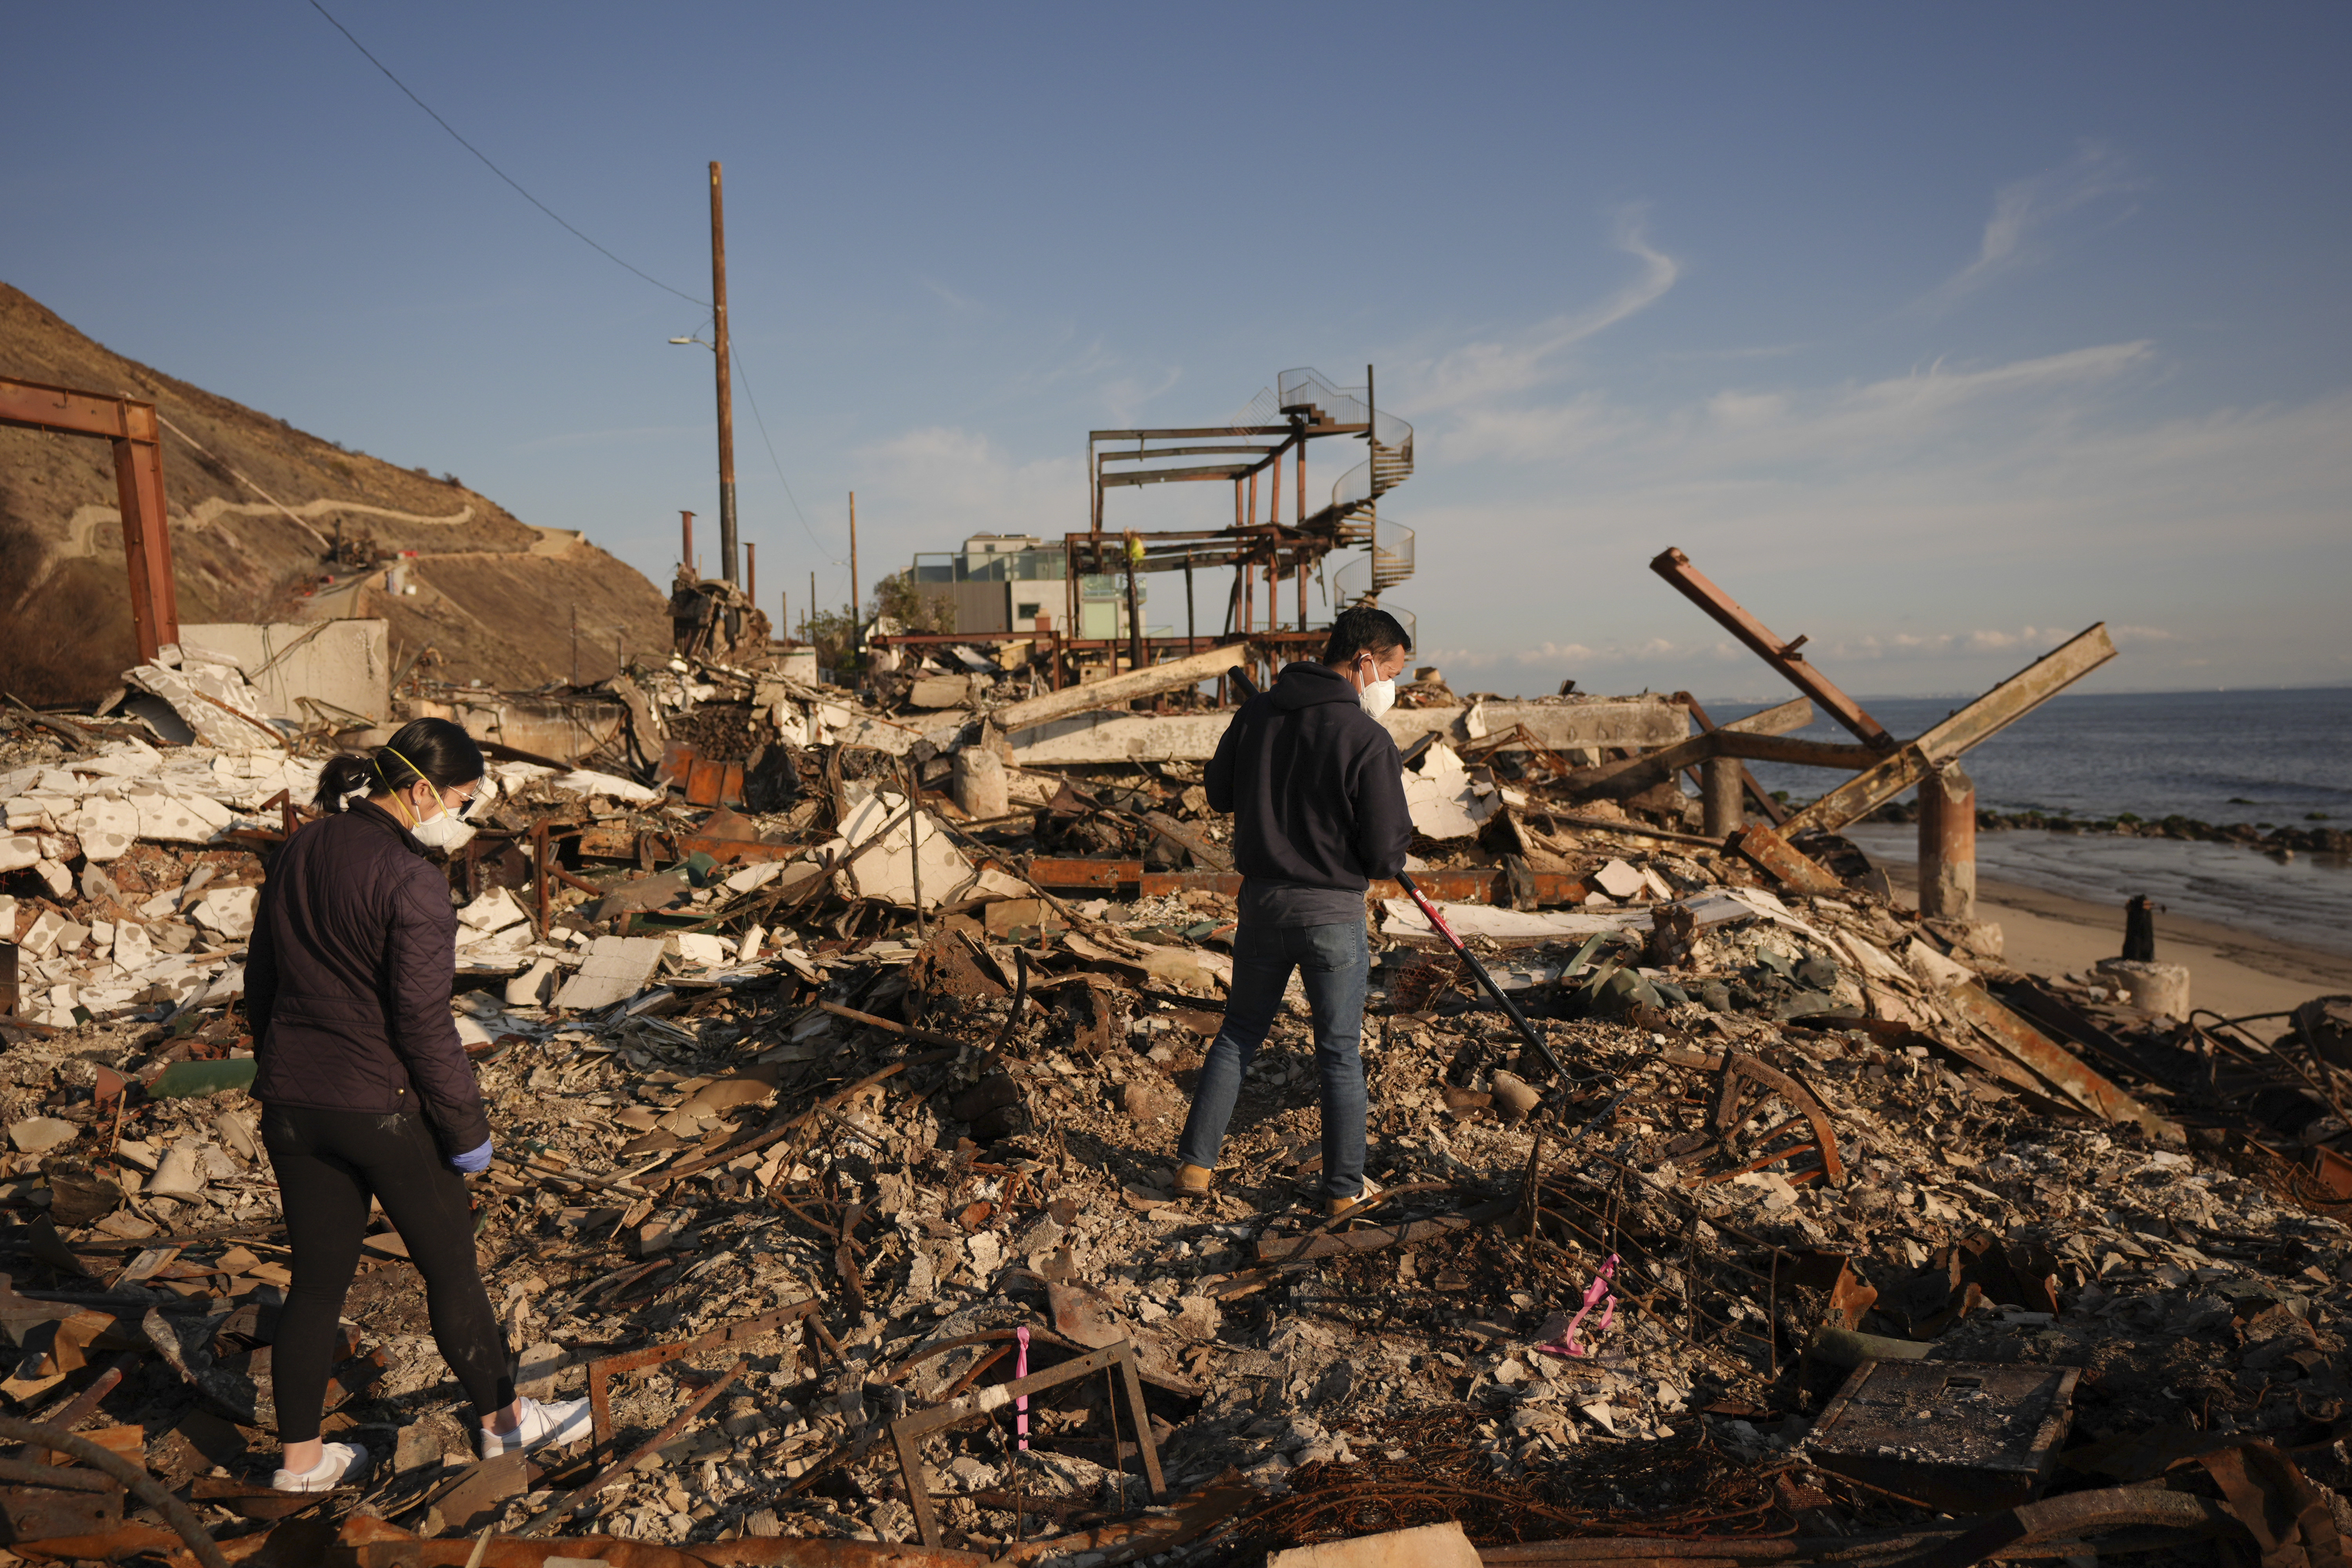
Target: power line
[
  {"x": 493, "y": 168},
  {"x": 750, "y": 396},
  {"x": 753, "y": 399}
]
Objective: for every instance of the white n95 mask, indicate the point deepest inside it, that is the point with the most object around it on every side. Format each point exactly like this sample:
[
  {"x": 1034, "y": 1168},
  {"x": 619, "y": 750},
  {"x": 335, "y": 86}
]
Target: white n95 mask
[{"x": 1378, "y": 697}]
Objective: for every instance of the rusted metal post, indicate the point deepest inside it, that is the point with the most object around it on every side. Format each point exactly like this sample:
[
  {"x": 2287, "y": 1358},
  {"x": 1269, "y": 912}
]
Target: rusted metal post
[
  {"x": 726, "y": 389},
  {"x": 853, "y": 571},
  {"x": 686, "y": 541},
  {"x": 146, "y": 534},
  {"x": 752, "y": 573},
  {"x": 1948, "y": 844},
  {"x": 1722, "y": 781},
  {"x": 1302, "y": 591},
  {"x": 1192, "y": 625}
]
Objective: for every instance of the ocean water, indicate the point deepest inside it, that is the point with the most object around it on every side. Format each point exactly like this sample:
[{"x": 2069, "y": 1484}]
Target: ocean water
[{"x": 2277, "y": 758}]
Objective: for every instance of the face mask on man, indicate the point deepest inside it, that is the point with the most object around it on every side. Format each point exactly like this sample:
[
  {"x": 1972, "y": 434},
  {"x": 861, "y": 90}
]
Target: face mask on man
[{"x": 1377, "y": 697}]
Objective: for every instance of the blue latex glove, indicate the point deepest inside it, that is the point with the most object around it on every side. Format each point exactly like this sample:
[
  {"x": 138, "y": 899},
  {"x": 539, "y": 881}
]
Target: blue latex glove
[{"x": 474, "y": 1162}]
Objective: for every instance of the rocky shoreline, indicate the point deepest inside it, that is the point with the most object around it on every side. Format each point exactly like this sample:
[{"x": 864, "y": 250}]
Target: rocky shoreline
[{"x": 2265, "y": 836}]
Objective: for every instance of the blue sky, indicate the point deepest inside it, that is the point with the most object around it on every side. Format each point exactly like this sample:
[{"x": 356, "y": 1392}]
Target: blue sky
[{"x": 1935, "y": 333}]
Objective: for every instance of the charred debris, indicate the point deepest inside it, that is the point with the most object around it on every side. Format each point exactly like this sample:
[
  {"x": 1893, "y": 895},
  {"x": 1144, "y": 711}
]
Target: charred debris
[{"x": 838, "y": 1040}]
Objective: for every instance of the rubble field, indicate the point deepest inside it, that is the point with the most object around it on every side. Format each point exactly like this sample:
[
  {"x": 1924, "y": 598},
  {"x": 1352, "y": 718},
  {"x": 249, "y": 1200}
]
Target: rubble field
[{"x": 836, "y": 1127}]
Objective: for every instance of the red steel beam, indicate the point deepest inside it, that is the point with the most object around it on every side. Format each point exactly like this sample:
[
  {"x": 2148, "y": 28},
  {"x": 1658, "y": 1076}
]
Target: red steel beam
[{"x": 138, "y": 442}]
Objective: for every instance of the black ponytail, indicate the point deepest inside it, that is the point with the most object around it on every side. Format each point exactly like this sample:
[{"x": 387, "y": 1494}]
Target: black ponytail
[{"x": 434, "y": 750}]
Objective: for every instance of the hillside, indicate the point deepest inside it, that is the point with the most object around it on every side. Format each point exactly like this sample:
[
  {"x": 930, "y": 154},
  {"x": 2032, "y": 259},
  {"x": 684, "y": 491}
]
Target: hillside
[{"x": 494, "y": 595}]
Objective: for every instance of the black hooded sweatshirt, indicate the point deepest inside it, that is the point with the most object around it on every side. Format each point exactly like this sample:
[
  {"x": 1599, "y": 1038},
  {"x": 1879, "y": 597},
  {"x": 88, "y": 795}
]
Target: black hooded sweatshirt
[{"x": 1315, "y": 785}]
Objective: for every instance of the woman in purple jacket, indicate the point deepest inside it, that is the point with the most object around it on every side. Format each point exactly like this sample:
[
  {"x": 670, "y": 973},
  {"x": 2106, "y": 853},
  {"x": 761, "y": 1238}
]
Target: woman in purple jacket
[{"x": 365, "y": 1089}]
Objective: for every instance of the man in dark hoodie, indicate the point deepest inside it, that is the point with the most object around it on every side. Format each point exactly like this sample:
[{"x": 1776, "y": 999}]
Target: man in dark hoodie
[{"x": 1318, "y": 797}]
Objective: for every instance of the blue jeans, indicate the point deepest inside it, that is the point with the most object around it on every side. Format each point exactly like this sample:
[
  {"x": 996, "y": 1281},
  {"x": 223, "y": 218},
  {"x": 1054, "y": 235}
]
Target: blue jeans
[{"x": 1335, "y": 966}]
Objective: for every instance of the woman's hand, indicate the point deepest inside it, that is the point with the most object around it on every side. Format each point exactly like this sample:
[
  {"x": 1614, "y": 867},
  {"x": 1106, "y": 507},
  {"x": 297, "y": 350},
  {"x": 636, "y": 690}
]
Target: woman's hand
[{"x": 473, "y": 1162}]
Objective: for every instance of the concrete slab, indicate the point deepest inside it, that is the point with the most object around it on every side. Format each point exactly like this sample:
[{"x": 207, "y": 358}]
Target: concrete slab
[{"x": 346, "y": 664}]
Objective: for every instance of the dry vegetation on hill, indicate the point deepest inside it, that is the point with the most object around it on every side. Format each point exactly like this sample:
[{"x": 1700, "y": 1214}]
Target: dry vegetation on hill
[{"x": 495, "y": 594}]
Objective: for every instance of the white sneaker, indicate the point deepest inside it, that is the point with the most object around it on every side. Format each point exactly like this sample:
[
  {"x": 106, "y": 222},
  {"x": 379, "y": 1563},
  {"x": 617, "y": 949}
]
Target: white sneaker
[
  {"x": 339, "y": 1462},
  {"x": 565, "y": 1421}
]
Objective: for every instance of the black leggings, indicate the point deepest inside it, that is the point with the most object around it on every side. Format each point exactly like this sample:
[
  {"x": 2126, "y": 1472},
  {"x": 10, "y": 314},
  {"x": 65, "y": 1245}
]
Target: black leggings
[{"x": 329, "y": 1163}]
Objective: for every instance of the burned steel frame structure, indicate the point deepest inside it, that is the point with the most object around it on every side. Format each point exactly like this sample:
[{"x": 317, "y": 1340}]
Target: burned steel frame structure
[{"x": 1257, "y": 548}]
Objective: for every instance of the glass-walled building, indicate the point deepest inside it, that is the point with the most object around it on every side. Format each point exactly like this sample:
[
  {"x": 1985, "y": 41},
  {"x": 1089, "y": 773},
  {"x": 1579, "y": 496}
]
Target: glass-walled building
[{"x": 1003, "y": 583}]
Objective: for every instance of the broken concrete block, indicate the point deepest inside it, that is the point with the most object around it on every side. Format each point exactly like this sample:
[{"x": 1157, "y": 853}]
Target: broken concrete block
[
  {"x": 19, "y": 852},
  {"x": 133, "y": 951},
  {"x": 58, "y": 880},
  {"x": 38, "y": 1134},
  {"x": 531, "y": 988},
  {"x": 42, "y": 934},
  {"x": 1425, "y": 1546},
  {"x": 702, "y": 947},
  {"x": 616, "y": 968},
  {"x": 980, "y": 788},
  {"x": 941, "y": 692},
  {"x": 2148, "y": 985},
  {"x": 179, "y": 1175},
  {"x": 1619, "y": 881},
  {"x": 493, "y": 911},
  {"x": 228, "y": 910},
  {"x": 107, "y": 827},
  {"x": 1442, "y": 797},
  {"x": 177, "y": 818}
]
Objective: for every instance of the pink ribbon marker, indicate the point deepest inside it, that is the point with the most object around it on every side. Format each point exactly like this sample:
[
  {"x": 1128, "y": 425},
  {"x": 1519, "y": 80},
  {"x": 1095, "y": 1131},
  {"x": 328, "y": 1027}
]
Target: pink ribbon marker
[
  {"x": 1593, "y": 1294},
  {"x": 1021, "y": 1401}
]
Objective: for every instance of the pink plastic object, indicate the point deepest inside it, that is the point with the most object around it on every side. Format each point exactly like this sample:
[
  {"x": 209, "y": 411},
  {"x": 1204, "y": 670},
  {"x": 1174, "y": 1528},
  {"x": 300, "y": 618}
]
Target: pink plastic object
[
  {"x": 1593, "y": 1294},
  {"x": 1021, "y": 1401}
]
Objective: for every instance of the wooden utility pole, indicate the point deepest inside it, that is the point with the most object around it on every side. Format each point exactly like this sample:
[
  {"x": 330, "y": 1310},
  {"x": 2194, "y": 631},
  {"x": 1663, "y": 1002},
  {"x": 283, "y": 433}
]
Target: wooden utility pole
[
  {"x": 853, "y": 567},
  {"x": 752, "y": 573},
  {"x": 576, "y": 644},
  {"x": 808, "y": 620},
  {"x": 725, "y": 391},
  {"x": 1372, "y": 469}
]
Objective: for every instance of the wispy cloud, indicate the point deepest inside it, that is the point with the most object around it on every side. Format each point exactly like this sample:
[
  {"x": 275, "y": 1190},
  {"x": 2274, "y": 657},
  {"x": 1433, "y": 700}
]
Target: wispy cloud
[
  {"x": 2025, "y": 211},
  {"x": 1494, "y": 369},
  {"x": 963, "y": 304},
  {"x": 1869, "y": 424}
]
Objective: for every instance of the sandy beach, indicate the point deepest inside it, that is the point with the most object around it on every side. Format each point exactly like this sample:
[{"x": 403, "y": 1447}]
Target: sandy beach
[{"x": 2233, "y": 972}]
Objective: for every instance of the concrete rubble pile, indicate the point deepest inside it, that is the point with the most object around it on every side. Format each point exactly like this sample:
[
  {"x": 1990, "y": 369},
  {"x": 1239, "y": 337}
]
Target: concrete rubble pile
[{"x": 837, "y": 1055}]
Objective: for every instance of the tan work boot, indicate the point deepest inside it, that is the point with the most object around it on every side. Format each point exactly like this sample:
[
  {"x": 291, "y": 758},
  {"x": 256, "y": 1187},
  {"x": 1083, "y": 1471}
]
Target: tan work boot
[
  {"x": 1189, "y": 1182},
  {"x": 1334, "y": 1208}
]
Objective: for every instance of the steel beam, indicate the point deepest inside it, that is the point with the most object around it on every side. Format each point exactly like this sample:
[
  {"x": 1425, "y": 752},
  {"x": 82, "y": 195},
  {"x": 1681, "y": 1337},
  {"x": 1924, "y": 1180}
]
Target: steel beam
[
  {"x": 131, "y": 428},
  {"x": 1989, "y": 715},
  {"x": 1783, "y": 656}
]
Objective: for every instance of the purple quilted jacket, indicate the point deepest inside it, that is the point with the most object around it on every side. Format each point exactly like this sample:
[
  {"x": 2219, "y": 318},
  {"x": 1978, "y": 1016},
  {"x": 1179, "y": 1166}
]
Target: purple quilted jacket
[{"x": 348, "y": 980}]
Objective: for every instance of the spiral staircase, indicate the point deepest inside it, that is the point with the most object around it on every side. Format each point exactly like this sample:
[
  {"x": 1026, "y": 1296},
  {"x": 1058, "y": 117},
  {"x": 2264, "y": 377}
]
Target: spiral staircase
[{"x": 1352, "y": 518}]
